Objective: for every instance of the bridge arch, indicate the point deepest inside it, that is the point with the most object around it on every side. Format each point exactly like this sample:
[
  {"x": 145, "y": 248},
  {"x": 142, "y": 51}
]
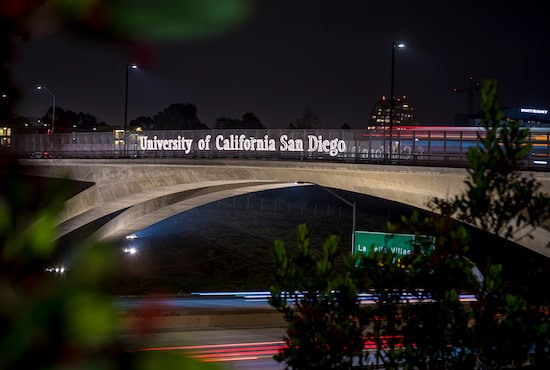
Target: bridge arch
[{"x": 142, "y": 193}]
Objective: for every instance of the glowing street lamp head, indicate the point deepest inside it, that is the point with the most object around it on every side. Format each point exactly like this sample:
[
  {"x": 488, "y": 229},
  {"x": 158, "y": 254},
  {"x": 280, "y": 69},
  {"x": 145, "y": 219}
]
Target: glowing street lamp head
[
  {"x": 44, "y": 87},
  {"x": 398, "y": 45}
]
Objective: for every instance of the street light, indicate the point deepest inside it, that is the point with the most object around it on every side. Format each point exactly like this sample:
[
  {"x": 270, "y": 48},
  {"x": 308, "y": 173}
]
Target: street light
[
  {"x": 395, "y": 45},
  {"x": 128, "y": 67},
  {"x": 6, "y": 97},
  {"x": 43, "y": 87},
  {"x": 353, "y": 205}
]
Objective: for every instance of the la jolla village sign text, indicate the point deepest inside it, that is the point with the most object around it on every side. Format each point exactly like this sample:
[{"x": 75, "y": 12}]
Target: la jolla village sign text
[{"x": 236, "y": 142}]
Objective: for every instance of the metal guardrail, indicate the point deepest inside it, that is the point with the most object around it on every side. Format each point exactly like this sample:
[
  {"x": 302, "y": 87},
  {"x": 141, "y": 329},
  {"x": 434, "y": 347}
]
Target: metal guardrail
[{"x": 426, "y": 146}]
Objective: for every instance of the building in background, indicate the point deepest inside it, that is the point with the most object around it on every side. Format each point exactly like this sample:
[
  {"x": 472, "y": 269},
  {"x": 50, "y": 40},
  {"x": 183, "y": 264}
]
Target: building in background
[
  {"x": 403, "y": 113},
  {"x": 527, "y": 116},
  {"x": 5, "y": 136}
]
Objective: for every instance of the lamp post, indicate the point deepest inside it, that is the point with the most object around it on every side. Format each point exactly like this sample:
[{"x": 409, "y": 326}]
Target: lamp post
[
  {"x": 353, "y": 206},
  {"x": 128, "y": 67},
  {"x": 394, "y": 46},
  {"x": 43, "y": 87},
  {"x": 6, "y": 98}
]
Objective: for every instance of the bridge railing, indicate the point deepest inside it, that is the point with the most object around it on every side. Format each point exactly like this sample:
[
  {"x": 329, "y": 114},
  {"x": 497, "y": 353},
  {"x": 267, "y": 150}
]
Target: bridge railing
[{"x": 437, "y": 146}]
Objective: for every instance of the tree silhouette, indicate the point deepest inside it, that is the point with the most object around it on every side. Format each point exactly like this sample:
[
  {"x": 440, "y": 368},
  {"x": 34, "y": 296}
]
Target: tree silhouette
[
  {"x": 178, "y": 116},
  {"x": 248, "y": 121},
  {"x": 308, "y": 120},
  {"x": 70, "y": 121},
  {"x": 144, "y": 122}
]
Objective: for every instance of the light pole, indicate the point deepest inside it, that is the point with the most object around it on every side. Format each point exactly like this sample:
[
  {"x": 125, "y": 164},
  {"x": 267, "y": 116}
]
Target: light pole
[
  {"x": 353, "y": 205},
  {"x": 128, "y": 67},
  {"x": 394, "y": 46},
  {"x": 43, "y": 87},
  {"x": 6, "y": 97}
]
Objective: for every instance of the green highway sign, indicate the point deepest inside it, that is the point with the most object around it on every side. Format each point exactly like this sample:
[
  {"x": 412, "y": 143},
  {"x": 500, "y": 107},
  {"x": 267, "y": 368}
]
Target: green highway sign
[{"x": 398, "y": 244}]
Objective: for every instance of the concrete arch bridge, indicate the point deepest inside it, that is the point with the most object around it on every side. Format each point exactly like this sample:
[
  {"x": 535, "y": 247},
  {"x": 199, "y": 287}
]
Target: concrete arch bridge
[{"x": 141, "y": 192}]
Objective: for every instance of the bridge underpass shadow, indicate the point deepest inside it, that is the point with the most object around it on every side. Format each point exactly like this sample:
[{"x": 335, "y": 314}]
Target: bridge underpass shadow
[{"x": 227, "y": 244}]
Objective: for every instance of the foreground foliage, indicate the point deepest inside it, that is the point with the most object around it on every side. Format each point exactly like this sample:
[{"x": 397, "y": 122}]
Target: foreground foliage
[
  {"x": 52, "y": 318},
  {"x": 417, "y": 317},
  {"x": 318, "y": 303}
]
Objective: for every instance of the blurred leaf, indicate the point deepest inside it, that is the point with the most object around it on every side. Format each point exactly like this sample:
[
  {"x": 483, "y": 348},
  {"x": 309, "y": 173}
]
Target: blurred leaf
[
  {"x": 54, "y": 320},
  {"x": 91, "y": 318},
  {"x": 92, "y": 264},
  {"x": 141, "y": 20},
  {"x": 41, "y": 236},
  {"x": 4, "y": 216},
  {"x": 168, "y": 20},
  {"x": 167, "y": 360}
]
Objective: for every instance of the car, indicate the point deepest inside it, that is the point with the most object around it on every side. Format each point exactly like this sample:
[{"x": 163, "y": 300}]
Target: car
[
  {"x": 39, "y": 155},
  {"x": 36, "y": 155}
]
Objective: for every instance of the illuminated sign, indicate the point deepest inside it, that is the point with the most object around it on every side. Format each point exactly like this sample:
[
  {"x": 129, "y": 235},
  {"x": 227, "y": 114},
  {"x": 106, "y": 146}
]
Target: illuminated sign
[
  {"x": 397, "y": 244},
  {"x": 240, "y": 142},
  {"x": 534, "y": 111}
]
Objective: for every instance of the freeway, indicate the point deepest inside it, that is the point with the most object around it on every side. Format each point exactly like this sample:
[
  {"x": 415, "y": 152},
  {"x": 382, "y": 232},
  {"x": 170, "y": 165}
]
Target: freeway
[
  {"x": 198, "y": 300},
  {"x": 237, "y": 330},
  {"x": 237, "y": 348},
  {"x": 199, "y": 310}
]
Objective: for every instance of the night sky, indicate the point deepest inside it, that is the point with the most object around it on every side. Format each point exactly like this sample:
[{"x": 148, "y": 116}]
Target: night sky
[{"x": 288, "y": 55}]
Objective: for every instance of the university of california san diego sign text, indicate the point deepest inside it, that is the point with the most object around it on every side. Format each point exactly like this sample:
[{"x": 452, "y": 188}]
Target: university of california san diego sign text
[{"x": 240, "y": 142}]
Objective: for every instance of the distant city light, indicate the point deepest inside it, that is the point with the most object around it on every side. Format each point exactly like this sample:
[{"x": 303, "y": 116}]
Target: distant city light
[
  {"x": 131, "y": 237},
  {"x": 130, "y": 250},
  {"x": 57, "y": 270},
  {"x": 534, "y": 111}
]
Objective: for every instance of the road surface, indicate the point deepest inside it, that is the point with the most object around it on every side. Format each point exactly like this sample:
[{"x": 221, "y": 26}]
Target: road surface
[{"x": 235, "y": 330}]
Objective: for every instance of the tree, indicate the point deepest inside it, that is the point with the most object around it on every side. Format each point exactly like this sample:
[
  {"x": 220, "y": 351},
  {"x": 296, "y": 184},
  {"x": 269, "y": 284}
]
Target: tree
[
  {"x": 507, "y": 320},
  {"x": 308, "y": 120},
  {"x": 70, "y": 121},
  {"x": 505, "y": 326},
  {"x": 318, "y": 303},
  {"x": 143, "y": 122},
  {"x": 178, "y": 117},
  {"x": 249, "y": 121},
  {"x": 416, "y": 319},
  {"x": 498, "y": 199}
]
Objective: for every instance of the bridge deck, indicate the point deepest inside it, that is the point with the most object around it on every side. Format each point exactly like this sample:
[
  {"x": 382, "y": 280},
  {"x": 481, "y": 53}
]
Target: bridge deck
[{"x": 145, "y": 191}]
